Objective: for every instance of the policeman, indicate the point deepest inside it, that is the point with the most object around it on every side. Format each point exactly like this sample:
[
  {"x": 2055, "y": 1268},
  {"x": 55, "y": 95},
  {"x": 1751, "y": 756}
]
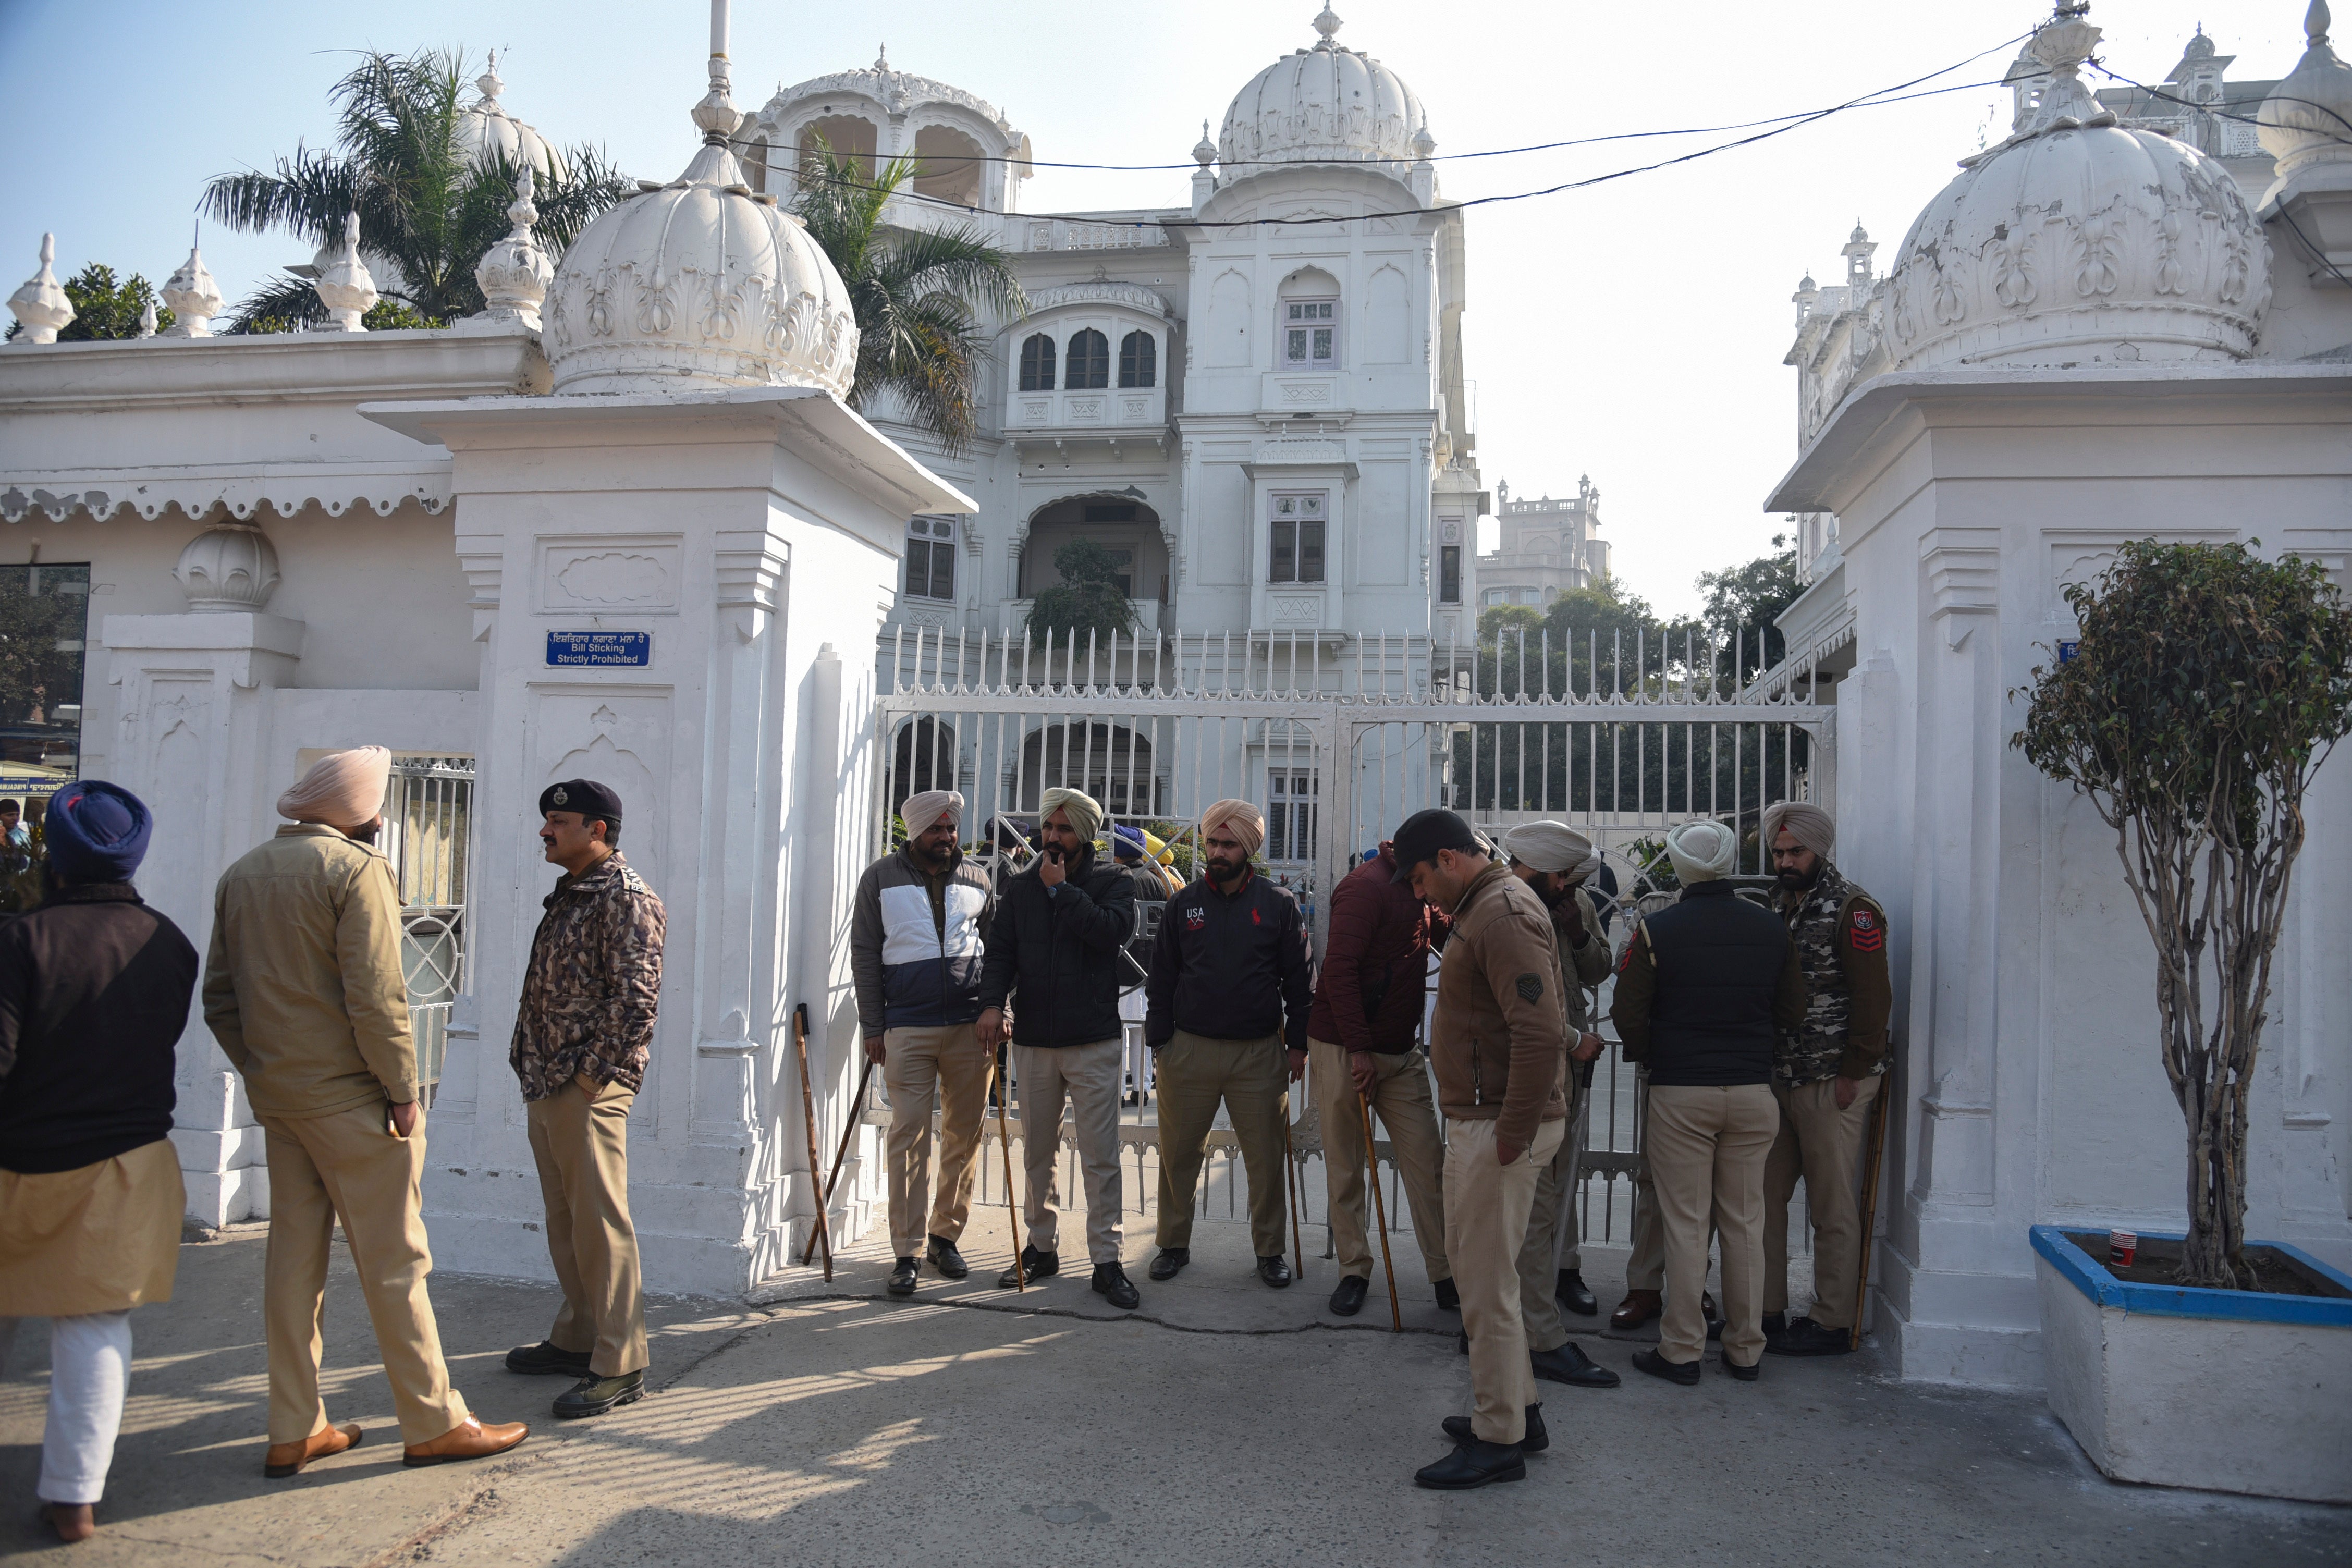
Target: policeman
[
  {"x": 1553, "y": 858},
  {"x": 1499, "y": 1045},
  {"x": 1826, "y": 1074}
]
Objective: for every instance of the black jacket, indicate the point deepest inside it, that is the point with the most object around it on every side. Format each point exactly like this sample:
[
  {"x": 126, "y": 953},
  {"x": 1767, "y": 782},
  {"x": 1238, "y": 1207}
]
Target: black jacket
[
  {"x": 1703, "y": 988},
  {"x": 1236, "y": 968},
  {"x": 94, "y": 992},
  {"x": 1057, "y": 954}
]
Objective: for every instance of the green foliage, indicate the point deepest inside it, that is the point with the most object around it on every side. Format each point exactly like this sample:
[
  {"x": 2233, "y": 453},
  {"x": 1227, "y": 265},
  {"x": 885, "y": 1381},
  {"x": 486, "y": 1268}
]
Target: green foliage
[
  {"x": 426, "y": 213},
  {"x": 916, "y": 293},
  {"x": 1742, "y": 603},
  {"x": 1087, "y": 599},
  {"x": 105, "y": 309},
  {"x": 2207, "y": 687}
]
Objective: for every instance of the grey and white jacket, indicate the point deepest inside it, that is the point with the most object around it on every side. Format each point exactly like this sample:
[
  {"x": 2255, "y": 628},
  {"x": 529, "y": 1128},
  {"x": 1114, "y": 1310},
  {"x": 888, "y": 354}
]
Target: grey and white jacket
[{"x": 915, "y": 961}]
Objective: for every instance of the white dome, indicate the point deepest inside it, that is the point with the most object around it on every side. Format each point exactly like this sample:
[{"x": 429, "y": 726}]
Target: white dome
[
  {"x": 485, "y": 130},
  {"x": 2079, "y": 242},
  {"x": 700, "y": 282},
  {"x": 2302, "y": 120},
  {"x": 1327, "y": 104}
]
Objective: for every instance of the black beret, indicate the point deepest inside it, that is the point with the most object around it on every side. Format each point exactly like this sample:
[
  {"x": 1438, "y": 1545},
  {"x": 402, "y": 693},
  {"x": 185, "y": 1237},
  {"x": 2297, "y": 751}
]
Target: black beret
[
  {"x": 1420, "y": 836},
  {"x": 593, "y": 801}
]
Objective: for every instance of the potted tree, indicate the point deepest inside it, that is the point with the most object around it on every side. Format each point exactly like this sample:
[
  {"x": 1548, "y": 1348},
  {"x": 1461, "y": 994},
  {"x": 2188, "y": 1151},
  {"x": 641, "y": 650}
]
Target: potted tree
[{"x": 2206, "y": 689}]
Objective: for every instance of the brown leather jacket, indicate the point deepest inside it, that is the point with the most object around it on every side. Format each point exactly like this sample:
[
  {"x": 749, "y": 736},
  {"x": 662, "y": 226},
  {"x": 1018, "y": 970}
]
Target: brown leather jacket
[{"x": 1499, "y": 1039}]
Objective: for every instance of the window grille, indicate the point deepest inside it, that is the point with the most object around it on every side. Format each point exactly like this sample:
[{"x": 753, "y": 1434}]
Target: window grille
[
  {"x": 1309, "y": 335},
  {"x": 1037, "y": 363},
  {"x": 428, "y": 817},
  {"x": 930, "y": 558},
  {"x": 1088, "y": 366},
  {"x": 1139, "y": 359},
  {"x": 1298, "y": 539}
]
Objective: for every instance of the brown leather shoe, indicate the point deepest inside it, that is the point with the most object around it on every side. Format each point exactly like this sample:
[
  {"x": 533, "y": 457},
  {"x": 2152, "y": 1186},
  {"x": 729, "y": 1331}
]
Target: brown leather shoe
[
  {"x": 1638, "y": 1307},
  {"x": 286, "y": 1459},
  {"x": 469, "y": 1441},
  {"x": 72, "y": 1520}
]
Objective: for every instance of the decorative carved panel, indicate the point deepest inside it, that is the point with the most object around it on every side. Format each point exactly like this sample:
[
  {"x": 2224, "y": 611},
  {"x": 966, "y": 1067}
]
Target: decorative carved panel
[{"x": 636, "y": 573}]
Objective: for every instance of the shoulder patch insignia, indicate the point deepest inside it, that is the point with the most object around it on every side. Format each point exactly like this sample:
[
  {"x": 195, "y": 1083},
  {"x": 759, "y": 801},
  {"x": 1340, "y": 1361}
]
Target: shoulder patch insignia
[
  {"x": 1625, "y": 958},
  {"x": 1529, "y": 986},
  {"x": 1866, "y": 932}
]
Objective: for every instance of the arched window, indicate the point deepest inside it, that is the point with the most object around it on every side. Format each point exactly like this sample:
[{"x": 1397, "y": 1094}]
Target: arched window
[
  {"x": 1037, "y": 363},
  {"x": 1090, "y": 362},
  {"x": 1139, "y": 359}
]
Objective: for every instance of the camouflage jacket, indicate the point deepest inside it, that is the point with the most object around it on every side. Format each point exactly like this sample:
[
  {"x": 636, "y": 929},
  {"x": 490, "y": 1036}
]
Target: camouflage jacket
[
  {"x": 593, "y": 983},
  {"x": 1581, "y": 967},
  {"x": 1841, "y": 936}
]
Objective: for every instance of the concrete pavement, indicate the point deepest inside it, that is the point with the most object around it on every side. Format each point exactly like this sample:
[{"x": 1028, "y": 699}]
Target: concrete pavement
[{"x": 1223, "y": 1423}]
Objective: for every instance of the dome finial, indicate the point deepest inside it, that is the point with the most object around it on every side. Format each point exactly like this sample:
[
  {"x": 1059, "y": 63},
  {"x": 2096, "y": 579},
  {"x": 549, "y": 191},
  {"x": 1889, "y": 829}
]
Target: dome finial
[
  {"x": 1327, "y": 23},
  {"x": 882, "y": 58},
  {"x": 489, "y": 86},
  {"x": 716, "y": 113},
  {"x": 1204, "y": 151},
  {"x": 2315, "y": 25},
  {"x": 2061, "y": 46},
  {"x": 41, "y": 304}
]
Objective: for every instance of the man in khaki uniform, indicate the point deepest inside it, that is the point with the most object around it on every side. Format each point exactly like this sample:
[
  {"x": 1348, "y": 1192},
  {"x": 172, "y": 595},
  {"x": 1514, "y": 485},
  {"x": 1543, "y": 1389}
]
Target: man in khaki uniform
[
  {"x": 1499, "y": 1043},
  {"x": 1826, "y": 1074},
  {"x": 302, "y": 988},
  {"x": 1700, "y": 991},
  {"x": 1553, "y": 860},
  {"x": 582, "y": 1038}
]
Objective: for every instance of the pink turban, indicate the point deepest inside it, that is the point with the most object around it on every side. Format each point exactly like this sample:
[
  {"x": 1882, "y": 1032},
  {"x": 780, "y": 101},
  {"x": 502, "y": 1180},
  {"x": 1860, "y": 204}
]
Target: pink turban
[
  {"x": 922, "y": 811},
  {"x": 342, "y": 789},
  {"x": 1806, "y": 823},
  {"x": 1244, "y": 821}
]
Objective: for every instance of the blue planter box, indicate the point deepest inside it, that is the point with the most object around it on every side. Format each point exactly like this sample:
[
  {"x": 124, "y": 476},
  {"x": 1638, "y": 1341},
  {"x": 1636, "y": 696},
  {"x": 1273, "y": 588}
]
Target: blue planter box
[{"x": 2235, "y": 1391}]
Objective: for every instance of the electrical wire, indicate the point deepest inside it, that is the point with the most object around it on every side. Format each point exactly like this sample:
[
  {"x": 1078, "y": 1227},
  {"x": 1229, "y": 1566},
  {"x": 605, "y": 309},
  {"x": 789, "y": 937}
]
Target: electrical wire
[{"x": 1777, "y": 127}]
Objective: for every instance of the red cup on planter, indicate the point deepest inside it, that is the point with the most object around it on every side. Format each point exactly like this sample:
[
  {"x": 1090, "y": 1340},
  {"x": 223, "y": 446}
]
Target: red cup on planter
[{"x": 2123, "y": 1245}]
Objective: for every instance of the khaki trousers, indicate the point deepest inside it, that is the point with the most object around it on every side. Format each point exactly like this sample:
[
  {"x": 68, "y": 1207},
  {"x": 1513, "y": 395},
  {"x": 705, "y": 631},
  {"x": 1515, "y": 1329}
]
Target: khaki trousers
[
  {"x": 581, "y": 1144},
  {"x": 913, "y": 1061},
  {"x": 1196, "y": 1073},
  {"x": 1085, "y": 1078},
  {"x": 1552, "y": 1208},
  {"x": 1707, "y": 1146},
  {"x": 1820, "y": 1142},
  {"x": 350, "y": 1163},
  {"x": 1401, "y": 1099},
  {"x": 1646, "y": 1269},
  {"x": 1487, "y": 1206}
]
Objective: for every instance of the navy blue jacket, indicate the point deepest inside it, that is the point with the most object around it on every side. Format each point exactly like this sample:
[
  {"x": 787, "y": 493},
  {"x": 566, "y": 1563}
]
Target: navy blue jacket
[
  {"x": 1056, "y": 954},
  {"x": 1231, "y": 968}
]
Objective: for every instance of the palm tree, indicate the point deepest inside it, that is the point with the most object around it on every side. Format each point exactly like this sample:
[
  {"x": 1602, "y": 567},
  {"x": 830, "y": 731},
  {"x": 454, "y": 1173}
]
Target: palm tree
[
  {"x": 916, "y": 293},
  {"x": 428, "y": 209}
]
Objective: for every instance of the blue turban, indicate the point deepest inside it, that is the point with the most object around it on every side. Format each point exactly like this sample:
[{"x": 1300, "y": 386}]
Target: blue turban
[
  {"x": 97, "y": 832},
  {"x": 1126, "y": 842}
]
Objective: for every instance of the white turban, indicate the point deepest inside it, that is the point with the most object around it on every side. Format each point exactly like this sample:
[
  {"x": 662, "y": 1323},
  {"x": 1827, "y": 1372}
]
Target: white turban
[
  {"x": 1806, "y": 823},
  {"x": 921, "y": 811},
  {"x": 1702, "y": 850},
  {"x": 1244, "y": 821},
  {"x": 1551, "y": 846},
  {"x": 1086, "y": 813},
  {"x": 342, "y": 789}
]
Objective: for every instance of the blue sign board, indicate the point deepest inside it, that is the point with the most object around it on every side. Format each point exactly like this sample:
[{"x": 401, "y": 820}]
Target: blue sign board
[
  {"x": 2067, "y": 648},
  {"x": 600, "y": 650}
]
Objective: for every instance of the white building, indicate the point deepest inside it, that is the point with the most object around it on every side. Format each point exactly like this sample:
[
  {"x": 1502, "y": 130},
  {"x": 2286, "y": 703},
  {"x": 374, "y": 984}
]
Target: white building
[
  {"x": 1545, "y": 547},
  {"x": 2091, "y": 336}
]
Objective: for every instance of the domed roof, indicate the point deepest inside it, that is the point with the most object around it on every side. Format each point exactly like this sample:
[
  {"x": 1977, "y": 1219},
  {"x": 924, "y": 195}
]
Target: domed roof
[
  {"x": 700, "y": 282},
  {"x": 485, "y": 129},
  {"x": 2077, "y": 241},
  {"x": 1327, "y": 104},
  {"x": 2301, "y": 121}
]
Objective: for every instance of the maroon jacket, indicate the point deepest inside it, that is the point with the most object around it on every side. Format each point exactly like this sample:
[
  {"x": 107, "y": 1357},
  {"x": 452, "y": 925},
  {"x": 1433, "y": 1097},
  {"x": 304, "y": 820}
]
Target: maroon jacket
[{"x": 1378, "y": 948}]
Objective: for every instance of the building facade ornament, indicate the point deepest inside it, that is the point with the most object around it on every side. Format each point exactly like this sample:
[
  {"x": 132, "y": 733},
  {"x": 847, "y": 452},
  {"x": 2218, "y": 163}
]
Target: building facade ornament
[
  {"x": 1133, "y": 296},
  {"x": 2302, "y": 124},
  {"x": 40, "y": 305},
  {"x": 514, "y": 273},
  {"x": 193, "y": 296},
  {"x": 230, "y": 567},
  {"x": 1328, "y": 104},
  {"x": 487, "y": 133},
  {"x": 343, "y": 283},
  {"x": 2080, "y": 241}
]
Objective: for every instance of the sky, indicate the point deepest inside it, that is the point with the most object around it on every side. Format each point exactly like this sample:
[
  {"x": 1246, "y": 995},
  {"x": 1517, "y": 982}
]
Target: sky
[{"x": 1631, "y": 331}]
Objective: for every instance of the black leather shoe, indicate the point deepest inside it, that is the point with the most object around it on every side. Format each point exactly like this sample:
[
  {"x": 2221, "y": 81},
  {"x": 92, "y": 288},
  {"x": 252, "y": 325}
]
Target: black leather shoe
[
  {"x": 1449, "y": 1299},
  {"x": 1714, "y": 1319},
  {"x": 1348, "y": 1298},
  {"x": 1275, "y": 1271},
  {"x": 1035, "y": 1264},
  {"x": 594, "y": 1395},
  {"x": 1567, "y": 1364},
  {"x": 1474, "y": 1464},
  {"x": 1112, "y": 1285},
  {"x": 1656, "y": 1365},
  {"x": 1170, "y": 1262},
  {"x": 1457, "y": 1427},
  {"x": 1574, "y": 1296},
  {"x": 941, "y": 1255},
  {"x": 1775, "y": 1323},
  {"x": 1747, "y": 1373},
  {"x": 1806, "y": 1336},
  {"x": 902, "y": 1276},
  {"x": 544, "y": 1357}
]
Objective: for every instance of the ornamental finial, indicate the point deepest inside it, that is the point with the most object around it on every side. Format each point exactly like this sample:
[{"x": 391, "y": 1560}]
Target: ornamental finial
[
  {"x": 1327, "y": 23},
  {"x": 41, "y": 305}
]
